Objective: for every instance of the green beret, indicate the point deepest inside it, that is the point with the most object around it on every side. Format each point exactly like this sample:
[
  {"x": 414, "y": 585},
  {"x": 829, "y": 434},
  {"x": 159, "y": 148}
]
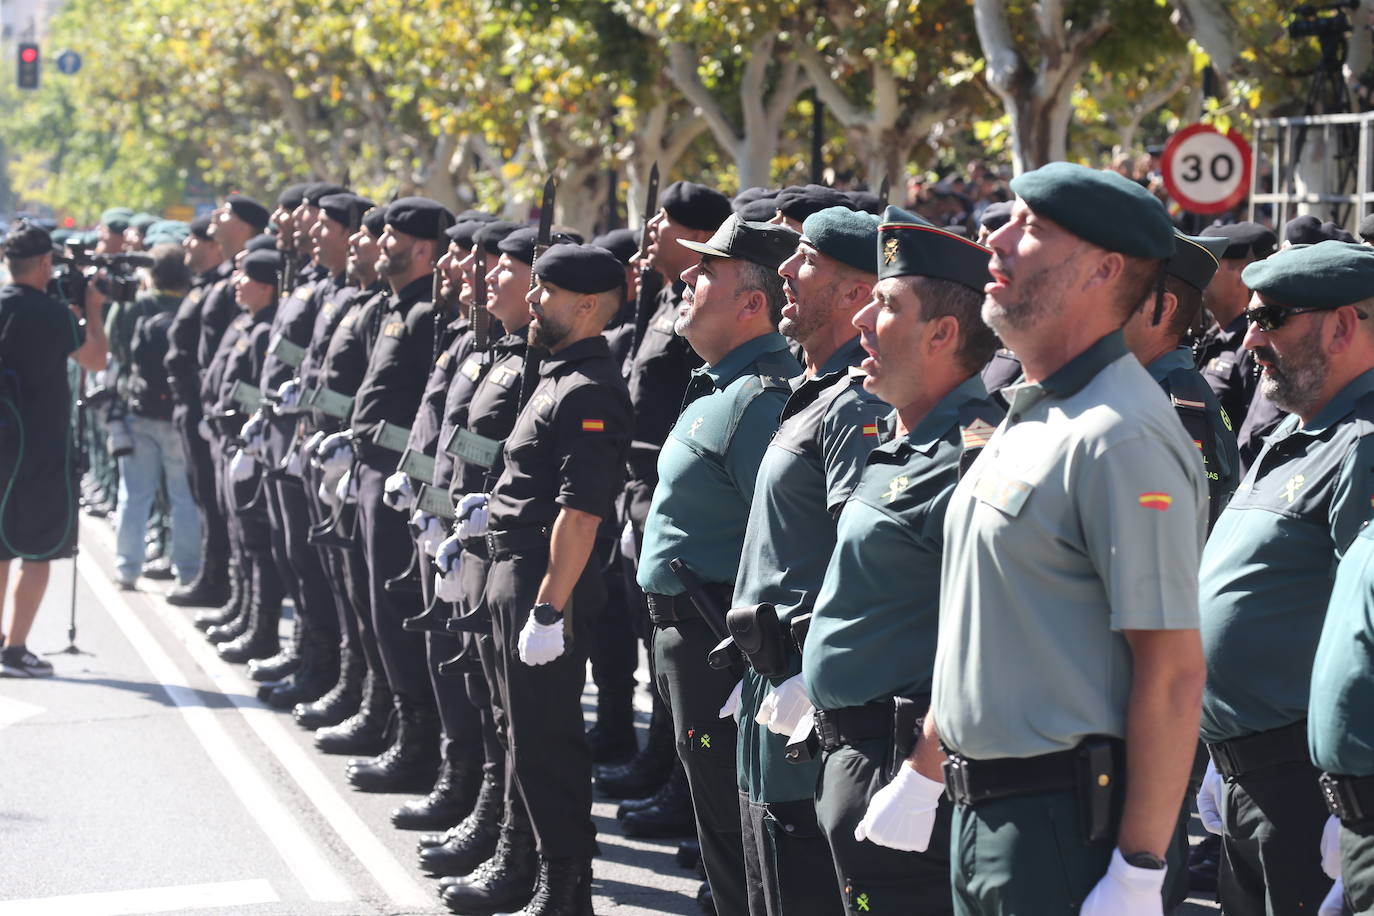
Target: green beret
[
  {"x": 117, "y": 218},
  {"x": 1104, "y": 208},
  {"x": 142, "y": 221},
  {"x": 909, "y": 246},
  {"x": 846, "y": 235},
  {"x": 1326, "y": 275},
  {"x": 1196, "y": 258}
]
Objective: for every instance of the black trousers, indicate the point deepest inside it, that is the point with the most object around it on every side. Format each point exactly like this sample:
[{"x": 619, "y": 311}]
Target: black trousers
[
  {"x": 615, "y": 647},
  {"x": 387, "y": 546},
  {"x": 346, "y": 575},
  {"x": 484, "y": 689},
  {"x": 786, "y": 860},
  {"x": 200, "y": 471},
  {"x": 550, "y": 763},
  {"x": 314, "y": 598}
]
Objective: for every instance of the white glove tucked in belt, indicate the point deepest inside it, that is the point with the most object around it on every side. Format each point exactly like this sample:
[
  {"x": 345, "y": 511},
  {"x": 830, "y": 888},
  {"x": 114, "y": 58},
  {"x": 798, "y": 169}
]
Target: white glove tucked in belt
[
  {"x": 784, "y": 707},
  {"x": 1126, "y": 890},
  {"x": 901, "y": 814}
]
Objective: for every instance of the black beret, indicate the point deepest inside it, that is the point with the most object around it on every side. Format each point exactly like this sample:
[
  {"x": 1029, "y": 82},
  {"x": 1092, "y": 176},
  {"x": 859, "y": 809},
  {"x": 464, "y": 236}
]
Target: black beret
[
  {"x": 419, "y": 217},
  {"x": 1304, "y": 230},
  {"x": 248, "y": 210},
  {"x": 759, "y": 211},
  {"x": 1367, "y": 228},
  {"x": 799, "y": 203},
  {"x": 374, "y": 220},
  {"x": 318, "y": 189},
  {"x": 463, "y": 233},
  {"x": 27, "y": 239},
  {"x": 765, "y": 244},
  {"x": 1246, "y": 239},
  {"x": 1333, "y": 231},
  {"x": 995, "y": 216},
  {"x": 262, "y": 266},
  {"x": 909, "y": 246},
  {"x": 291, "y": 198},
  {"x": 200, "y": 226},
  {"x": 1326, "y": 275},
  {"x": 866, "y": 201},
  {"x": 695, "y": 205},
  {"x": 581, "y": 268},
  {"x": 490, "y": 235},
  {"x": 262, "y": 242},
  {"x": 345, "y": 209},
  {"x": 748, "y": 196},
  {"x": 1195, "y": 259},
  {"x": 623, "y": 243},
  {"x": 848, "y": 236},
  {"x": 519, "y": 244},
  {"x": 1104, "y": 208},
  {"x": 476, "y": 216}
]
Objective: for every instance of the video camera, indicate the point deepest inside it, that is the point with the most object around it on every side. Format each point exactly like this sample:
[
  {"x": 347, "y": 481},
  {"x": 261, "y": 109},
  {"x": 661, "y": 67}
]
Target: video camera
[
  {"x": 113, "y": 274},
  {"x": 1325, "y": 21}
]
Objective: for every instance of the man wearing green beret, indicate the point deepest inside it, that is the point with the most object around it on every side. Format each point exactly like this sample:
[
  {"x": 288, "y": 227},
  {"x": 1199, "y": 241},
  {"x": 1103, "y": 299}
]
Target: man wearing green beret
[
  {"x": 109, "y": 233},
  {"x": 137, "y": 229},
  {"x": 871, "y": 645},
  {"x": 829, "y": 425},
  {"x": 1068, "y": 667},
  {"x": 731, "y": 307},
  {"x": 1266, "y": 572},
  {"x": 1155, "y": 334}
]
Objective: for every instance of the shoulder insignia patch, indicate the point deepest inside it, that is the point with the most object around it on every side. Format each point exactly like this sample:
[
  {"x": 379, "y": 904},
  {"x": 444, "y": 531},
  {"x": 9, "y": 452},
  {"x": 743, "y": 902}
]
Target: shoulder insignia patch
[
  {"x": 472, "y": 369},
  {"x": 593, "y": 426},
  {"x": 1157, "y": 501},
  {"x": 977, "y": 433},
  {"x": 393, "y": 329},
  {"x": 443, "y": 359}
]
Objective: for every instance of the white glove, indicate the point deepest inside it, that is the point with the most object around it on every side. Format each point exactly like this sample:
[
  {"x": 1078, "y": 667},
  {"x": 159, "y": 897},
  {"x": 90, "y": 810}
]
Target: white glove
[
  {"x": 329, "y": 493},
  {"x": 1334, "y": 902},
  {"x": 203, "y": 427},
  {"x": 293, "y": 462},
  {"x": 1126, "y": 890},
  {"x": 448, "y": 588},
  {"x": 289, "y": 393},
  {"x": 784, "y": 706},
  {"x": 448, "y": 560},
  {"x": 346, "y": 490},
  {"x": 1331, "y": 847},
  {"x": 429, "y": 532},
  {"x": 731, "y": 707},
  {"x": 398, "y": 493},
  {"x": 1209, "y": 799},
  {"x": 805, "y": 726},
  {"x": 334, "y": 450},
  {"x": 627, "y": 542},
  {"x": 241, "y": 466},
  {"x": 901, "y": 814},
  {"x": 540, "y": 643},
  {"x": 472, "y": 510},
  {"x": 311, "y": 444},
  {"x": 253, "y": 432}
]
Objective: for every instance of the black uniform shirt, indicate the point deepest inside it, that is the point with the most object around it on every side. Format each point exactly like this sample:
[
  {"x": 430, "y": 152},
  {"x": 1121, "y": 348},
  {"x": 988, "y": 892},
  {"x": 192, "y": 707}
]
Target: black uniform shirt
[
  {"x": 213, "y": 376},
  {"x": 183, "y": 341},
  {"x": 334, "y": 306},
  {"x": 489, "y": 413},
  {"x": 662, "y": 366},
  {"x": 569, "y": 442},
  {"x": 1229, "y": 368},
  {"x": 245, "y": 348},
  {"x": 399, "y": 363},
  {"x": 218, "y": 308},
  {"x": 37, "y": 333},
  {"x": 345, "y": 359},
  {"x": 429, "y": 417},
  {"x": 295, "y": 322}
]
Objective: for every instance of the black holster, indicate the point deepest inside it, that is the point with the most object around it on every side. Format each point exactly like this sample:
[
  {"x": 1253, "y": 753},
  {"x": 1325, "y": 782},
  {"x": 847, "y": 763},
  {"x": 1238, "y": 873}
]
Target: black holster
[
  {"x": 755, "y": 629},
  {"x": 908, "y": 718},
  {"x": 1101, "y": 786}
]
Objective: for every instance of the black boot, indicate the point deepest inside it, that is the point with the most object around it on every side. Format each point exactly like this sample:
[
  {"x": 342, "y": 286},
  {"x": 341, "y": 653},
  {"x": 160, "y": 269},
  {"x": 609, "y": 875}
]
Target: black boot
[
  {"x": 284, "y": 662},
  {"x": 648, "y": 770},
  {"x": 341, "y": 701},
  {"x": 365, "y": 731},
  {"x": 412, "y": 760},
  {"x": 612, "y": 738},
  {"x": 648, "y": 801},
  {"x": 473, "y": 841},
  {"x": 451, "y": 800},
  {"x": 668, "y": 814},
  {"x": 210, "y": 587},
  {"x": 564, "y": 888},
  {"x": 259, "y": 638},
  {"x": 503, "y": 883},
  {"x": 316, "y": 675},
  {"x": 226, "y": 621}
]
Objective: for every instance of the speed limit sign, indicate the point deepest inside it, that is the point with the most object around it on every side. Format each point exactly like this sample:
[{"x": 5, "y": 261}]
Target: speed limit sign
[{"x": 1205, "y": 170}]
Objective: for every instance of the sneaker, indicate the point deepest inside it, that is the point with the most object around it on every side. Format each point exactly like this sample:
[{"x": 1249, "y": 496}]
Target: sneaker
[{"x": 18, "y": 661}]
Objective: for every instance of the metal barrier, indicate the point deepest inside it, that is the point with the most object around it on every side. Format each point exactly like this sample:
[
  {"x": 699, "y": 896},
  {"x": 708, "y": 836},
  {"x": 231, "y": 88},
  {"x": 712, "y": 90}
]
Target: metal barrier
[{"x": 1320, "y": 164}]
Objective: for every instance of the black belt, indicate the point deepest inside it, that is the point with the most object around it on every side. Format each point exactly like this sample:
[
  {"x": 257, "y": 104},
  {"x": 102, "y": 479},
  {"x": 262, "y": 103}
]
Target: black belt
[
  {"x": 838, "y": 727},
  {"x": 667, "y": 609},
  {"x": 1350, "y": 798},
  {"x": 968, "y": 782},
  {"x": 502, "y": 544},
  {"x": 1275, "y": 747},
  {"x": 477, "y": 546}
]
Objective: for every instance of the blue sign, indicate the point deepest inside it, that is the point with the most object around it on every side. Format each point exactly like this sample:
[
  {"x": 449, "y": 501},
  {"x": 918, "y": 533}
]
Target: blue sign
[{"x": 68, "y": 62}]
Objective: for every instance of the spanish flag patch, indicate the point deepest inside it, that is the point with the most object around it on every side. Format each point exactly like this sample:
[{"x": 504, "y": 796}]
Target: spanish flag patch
[
  {"x": 1157, "y": 501},
  {"x": 593, "y": 426},
  {"x": 870, "y": 429},
  {"x": 1198, "y": 443}
]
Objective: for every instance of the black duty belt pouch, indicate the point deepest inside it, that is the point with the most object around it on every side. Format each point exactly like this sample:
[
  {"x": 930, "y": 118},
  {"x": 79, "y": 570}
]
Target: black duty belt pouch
[
  {"x": 1098, "y": 774},
  {"x": 908, "y": 717},
  {"x": 755, "y": 629},
  {"x": 1350, "y": 798},
  {"x": 801, "y": 625}
]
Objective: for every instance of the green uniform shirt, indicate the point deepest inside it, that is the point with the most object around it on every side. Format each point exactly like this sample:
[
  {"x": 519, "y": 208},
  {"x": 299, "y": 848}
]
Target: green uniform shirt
[
  {"x": 828, "y": 427},
  {"x": 1340, "y": 722},
  {"x": 1082, "y": 517},
  {"x": 1267, "y": 569},
  {"x": 873, "y": 633},
  {"x": 709, "y": 462}
]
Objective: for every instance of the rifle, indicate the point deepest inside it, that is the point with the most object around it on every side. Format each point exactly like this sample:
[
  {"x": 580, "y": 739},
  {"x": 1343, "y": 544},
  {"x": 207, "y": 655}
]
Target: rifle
[
  {"x": 481, "y": 318},
  {"x": 885, "y": 189},
  {"x": 534, "y": 356},
  {"x": 641, "y": 313}
]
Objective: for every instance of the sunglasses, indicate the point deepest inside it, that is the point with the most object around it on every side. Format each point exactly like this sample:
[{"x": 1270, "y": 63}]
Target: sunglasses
[{"x": 1272, "y": 317}]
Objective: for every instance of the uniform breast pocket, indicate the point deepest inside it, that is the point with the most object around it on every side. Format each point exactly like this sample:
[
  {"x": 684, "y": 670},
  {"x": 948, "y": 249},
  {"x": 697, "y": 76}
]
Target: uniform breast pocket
[{"x": 1005, "y": 493}]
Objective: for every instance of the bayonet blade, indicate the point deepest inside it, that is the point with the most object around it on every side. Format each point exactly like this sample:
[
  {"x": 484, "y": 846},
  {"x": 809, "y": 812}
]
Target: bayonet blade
[
  {"x": 481, "y": 318},
  {"x": 885, "y": 189}
]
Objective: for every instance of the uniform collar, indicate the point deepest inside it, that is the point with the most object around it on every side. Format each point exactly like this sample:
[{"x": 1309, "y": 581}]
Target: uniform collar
[
  {"x": 413, "y": 291},
  {"x": 1174, "y": 360},
  {"x": 1070, "y": 378},
  {"x": 1339, "y": 407},
  {"x": 945, "y": 413},
  {"x": 849, "y": 354},
  {"x": 266, "y": 315},
  {"x": 738, "y": 361},
  {"x": 587, "y": 348}
]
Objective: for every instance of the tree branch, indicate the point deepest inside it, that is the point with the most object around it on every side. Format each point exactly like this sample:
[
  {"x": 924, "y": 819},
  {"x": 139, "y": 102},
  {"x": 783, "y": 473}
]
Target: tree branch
[
  {"x": 829, "y": 91},
  {"x": 682, "y": 69},
  {"x": 1004, "y": 62}
]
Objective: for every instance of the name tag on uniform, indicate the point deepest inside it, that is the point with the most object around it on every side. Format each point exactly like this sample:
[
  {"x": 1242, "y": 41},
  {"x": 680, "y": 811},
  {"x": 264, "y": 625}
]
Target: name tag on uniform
[
  {"x": 417, "y": 465},
  {"x": 1004, "y": 493},
  {"x": 289, "y": 353},
  {"x": 347, "y": 320},
  {"x": 391, "y": 437},
  {"x": 245, "y": 395},
  {"x": 472, "y": 369},
  {"x": 442, "y": 361},
  {"x": 332, "y": 404},
  {"x": 504, "y": 375},
  {"x": 393, "y": 328},
  {"x": 472, "y": 448},
  {"x": 436, "y": 502}
]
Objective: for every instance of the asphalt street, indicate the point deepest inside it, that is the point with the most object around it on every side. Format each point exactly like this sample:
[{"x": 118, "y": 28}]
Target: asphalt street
[{"x": 145, "y": 777}]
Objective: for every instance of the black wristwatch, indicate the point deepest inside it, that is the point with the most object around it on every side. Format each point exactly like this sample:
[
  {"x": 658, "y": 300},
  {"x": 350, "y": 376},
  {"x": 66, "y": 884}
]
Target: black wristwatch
[
  {"x": 1145, "y": 860},
  {"x": 546, "y": 614}
]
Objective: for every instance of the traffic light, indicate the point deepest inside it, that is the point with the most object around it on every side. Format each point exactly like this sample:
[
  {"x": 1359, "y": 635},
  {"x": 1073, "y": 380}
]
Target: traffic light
[{"x": 28, "y": 65}]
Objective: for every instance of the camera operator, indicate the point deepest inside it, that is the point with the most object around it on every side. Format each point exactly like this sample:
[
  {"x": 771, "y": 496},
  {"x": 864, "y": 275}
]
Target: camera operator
[
  {"x": 158, "y": 455},
  {"x": 38, "y": 464}
]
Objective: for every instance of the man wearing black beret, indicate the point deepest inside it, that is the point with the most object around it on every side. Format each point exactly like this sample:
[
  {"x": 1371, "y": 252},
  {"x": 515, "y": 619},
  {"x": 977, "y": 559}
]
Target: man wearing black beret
[{"x": 795, "y": 204}]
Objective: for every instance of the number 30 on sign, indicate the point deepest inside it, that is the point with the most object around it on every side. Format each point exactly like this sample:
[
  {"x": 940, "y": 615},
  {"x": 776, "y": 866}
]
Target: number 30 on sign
[{"x": 1205, "y": 170}]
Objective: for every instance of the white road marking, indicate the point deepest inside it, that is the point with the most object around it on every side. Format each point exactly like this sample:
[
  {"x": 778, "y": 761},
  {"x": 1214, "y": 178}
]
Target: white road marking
[
  {"x": 12, "y": 711},
  {"x": 394, "y": 879},
  {"x": 149, "y": 900},
  {"x": 296, "y": 846}
]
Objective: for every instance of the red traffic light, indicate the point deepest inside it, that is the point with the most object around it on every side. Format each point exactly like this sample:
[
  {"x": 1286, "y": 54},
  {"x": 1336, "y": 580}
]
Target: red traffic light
[
  {"x": 28, "y": 55},
  {"x": 27, "y": 76}
]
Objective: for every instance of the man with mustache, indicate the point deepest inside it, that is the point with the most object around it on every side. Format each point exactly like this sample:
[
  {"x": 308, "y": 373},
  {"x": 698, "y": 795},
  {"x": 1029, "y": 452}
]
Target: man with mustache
[{"x": 1266, "y": 573}]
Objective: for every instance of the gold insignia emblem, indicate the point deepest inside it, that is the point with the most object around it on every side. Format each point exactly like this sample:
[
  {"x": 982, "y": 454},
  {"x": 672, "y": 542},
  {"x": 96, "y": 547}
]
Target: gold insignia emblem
[
  {"x": 696, "y": 425},
  {"x": 1290, "y": 489},
  {"x": 895, "y": 487},
  {"x": 889, "y": 251}
]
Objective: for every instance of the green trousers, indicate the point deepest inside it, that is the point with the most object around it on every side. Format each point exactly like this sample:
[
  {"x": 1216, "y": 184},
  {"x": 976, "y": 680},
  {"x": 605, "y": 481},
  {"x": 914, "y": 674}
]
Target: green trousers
[
  {"x": 1273, "y": 823},
  {"x": 1357, "y": 867}
]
